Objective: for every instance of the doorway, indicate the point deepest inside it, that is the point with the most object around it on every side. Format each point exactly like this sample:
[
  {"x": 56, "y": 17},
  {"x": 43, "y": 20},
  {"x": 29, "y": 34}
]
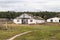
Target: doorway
[{"x": 24, "y": 21}]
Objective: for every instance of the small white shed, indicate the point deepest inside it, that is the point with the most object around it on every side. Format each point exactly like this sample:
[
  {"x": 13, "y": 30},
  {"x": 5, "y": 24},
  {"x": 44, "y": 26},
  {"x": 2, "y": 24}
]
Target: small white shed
[
  {"x": 55, "y": 19},
  {"x": 27, "y": 19}
]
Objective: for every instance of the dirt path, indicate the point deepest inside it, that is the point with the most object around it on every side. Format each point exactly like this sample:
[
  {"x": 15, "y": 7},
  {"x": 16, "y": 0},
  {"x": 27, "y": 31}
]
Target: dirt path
[{"x": 12, "y": 38}]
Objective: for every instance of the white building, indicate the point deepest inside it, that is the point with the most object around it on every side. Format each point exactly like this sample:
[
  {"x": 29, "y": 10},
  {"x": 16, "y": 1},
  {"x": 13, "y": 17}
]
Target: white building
[
  {"x": 55, "y": 19},
  {"x": 28, "y": 19}
]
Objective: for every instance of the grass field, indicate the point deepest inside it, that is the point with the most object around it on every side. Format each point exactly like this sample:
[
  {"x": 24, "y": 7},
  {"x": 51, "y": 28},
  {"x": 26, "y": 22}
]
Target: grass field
[{"x": 39, "y": 32}]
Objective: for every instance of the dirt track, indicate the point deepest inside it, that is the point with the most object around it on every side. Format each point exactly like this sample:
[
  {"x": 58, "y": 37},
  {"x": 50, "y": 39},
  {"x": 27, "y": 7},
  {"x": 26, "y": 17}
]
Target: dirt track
[
  {"x": 49, "y": 24},
  {"x": 19, "y": 35}
]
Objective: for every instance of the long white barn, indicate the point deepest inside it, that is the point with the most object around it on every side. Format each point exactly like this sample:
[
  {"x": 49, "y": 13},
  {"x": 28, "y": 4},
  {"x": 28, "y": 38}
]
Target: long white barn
[
  {"x": 55, "y": 19},
  {"x": 28, "y": 19}
]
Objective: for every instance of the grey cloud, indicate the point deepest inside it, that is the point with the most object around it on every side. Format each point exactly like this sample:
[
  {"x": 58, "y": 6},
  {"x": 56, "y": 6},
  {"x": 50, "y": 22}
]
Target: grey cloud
[{"x": 30, "y": 5}]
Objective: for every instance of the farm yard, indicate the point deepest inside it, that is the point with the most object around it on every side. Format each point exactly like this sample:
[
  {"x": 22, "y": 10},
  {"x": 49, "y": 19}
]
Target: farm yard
[
  {"x": 48, "y": 31},
  {"x": 29, "y": 20}
]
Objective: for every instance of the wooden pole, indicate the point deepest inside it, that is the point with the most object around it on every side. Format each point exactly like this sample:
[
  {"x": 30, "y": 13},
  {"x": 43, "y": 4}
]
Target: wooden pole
[{"x": 6, "y": 25}]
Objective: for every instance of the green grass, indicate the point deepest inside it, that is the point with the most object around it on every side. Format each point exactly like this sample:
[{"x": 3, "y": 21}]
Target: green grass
[
  {"x": 40, "y": 32},
  {"x": 5, "y": 34}
]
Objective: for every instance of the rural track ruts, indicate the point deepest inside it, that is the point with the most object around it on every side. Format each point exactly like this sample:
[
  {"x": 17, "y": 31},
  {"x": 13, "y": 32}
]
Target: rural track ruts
[{"x": 12, "y": 38}]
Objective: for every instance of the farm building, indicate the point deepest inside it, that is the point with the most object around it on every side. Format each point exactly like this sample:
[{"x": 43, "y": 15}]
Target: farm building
[
  {"x": 28, "y": 19},
  {"x": 4, "y": 20},
  {"x": 55, "y": 19}
]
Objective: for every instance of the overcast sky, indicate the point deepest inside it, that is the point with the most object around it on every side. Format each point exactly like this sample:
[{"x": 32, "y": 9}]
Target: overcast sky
[{"x": 30, "y": 5}]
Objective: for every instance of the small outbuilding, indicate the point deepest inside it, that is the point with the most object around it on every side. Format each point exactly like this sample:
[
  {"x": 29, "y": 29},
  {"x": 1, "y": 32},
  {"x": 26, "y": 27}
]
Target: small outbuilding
[
  {"x": 55, "y": 19},
  {"x": 28, "y": 19},
  {"x": 4, "y": 20}
]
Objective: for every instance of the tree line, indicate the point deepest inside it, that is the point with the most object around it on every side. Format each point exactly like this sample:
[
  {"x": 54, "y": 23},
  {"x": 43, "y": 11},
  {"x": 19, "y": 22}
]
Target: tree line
[{"x": 45, "y": 15}]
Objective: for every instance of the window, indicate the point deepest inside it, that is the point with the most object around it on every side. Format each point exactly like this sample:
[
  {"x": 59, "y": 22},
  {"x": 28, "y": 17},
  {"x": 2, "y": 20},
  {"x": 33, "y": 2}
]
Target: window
[
  {"x": 17, "y": 20},
  {"x": 59, "y": 20},
  {"x": 51, "y": 20},
  {"x": 31, "y": 20}
]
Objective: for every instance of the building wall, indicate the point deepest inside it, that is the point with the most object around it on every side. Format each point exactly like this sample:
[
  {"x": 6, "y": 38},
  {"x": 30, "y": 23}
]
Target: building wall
[
  {"x": 20, "y": 21},
  {"x": 31, "y": 21},
  {"x": 48, "y": 20},
  {"x": 17, "y": 21},
  {"x": 53, "y": 20},
  {"x": 40, "y": 21},
  {"x": 36, "y": 21},
  {"x": 56, "y": 20}
]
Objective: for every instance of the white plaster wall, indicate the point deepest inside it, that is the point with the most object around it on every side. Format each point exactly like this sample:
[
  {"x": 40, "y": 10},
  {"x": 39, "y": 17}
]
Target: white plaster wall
[
  {"x": 53, "y": 20},
  {"x": 15, "y": 21},
  {"x": 33, "y": 22},
  {"x": 40, "y": 21},
  {"x": 48, "y": 20}
]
